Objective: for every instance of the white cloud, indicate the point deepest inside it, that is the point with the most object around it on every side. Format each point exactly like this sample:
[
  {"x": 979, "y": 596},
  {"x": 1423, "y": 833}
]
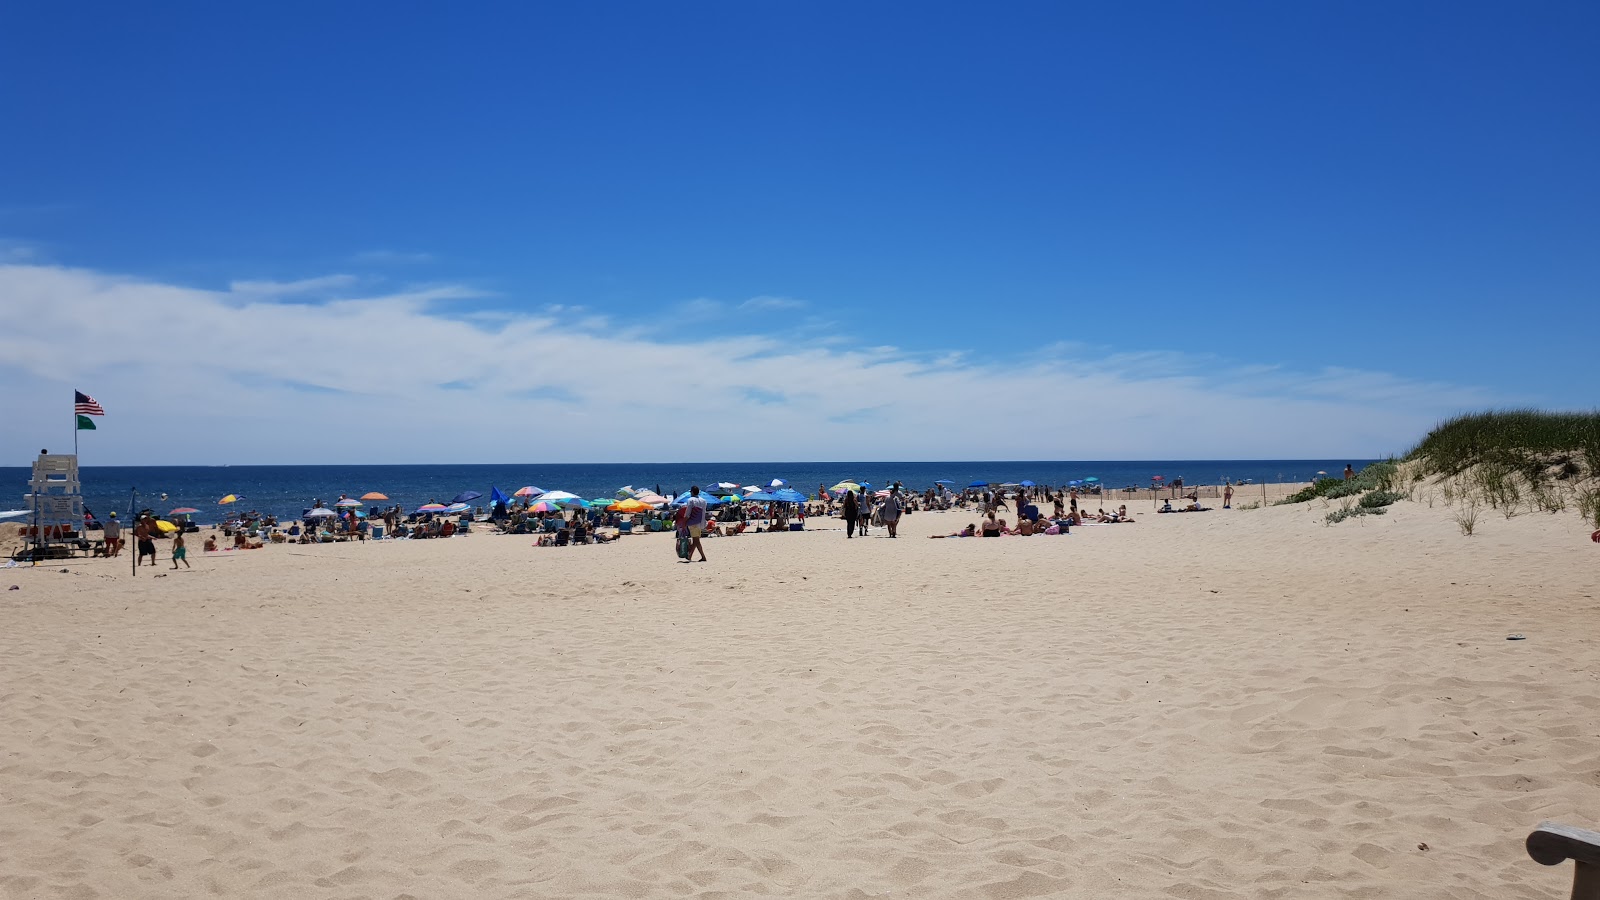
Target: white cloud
[{"x": 199, "y": 376}]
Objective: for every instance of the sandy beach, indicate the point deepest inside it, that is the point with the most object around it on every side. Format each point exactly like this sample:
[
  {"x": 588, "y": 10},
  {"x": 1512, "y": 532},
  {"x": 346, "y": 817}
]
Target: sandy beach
[{"x": 1241, "y": 703}]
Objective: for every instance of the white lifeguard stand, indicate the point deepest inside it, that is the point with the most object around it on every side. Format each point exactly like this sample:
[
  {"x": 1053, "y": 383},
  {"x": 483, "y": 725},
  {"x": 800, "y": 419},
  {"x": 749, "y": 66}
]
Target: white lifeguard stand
[{"x": 56, "y": 500}]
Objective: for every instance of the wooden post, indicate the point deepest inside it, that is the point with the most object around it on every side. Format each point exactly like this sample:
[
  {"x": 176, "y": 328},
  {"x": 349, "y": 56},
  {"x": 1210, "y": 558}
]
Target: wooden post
[{"x": 1552, "y": 844}]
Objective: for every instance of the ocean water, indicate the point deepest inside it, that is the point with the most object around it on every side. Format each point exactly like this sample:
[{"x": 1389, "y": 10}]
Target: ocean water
[{"x": 285, "y": 491}]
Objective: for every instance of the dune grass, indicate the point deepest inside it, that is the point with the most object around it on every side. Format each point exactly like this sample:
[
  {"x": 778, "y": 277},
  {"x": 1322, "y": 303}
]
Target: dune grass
[
  {"x": 1515, "y": 458},
  {"x": 1540, "y": 446}
]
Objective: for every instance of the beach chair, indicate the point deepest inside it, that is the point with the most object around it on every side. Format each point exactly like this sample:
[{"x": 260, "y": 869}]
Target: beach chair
[
  {"x": 625, "y": 526},
  {"x": 1551, "y": 845}
]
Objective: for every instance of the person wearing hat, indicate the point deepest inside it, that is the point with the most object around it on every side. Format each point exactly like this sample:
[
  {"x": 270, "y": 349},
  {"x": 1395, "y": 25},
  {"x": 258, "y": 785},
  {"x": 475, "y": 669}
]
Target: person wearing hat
[{"x": 113, "y": 536}]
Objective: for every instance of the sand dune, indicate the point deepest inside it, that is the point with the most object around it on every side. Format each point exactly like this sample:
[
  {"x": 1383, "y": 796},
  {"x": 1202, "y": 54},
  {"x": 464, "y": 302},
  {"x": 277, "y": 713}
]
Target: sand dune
[{"x": 1241, "y": 703}]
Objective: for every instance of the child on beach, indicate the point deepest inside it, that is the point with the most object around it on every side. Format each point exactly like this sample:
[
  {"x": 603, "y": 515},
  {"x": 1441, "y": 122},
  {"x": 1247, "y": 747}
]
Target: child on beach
[{"x": 179, "y": 552}]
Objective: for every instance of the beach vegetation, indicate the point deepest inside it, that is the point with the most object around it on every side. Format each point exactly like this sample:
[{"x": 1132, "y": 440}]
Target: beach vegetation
[
  {"x": 1588, "y": 503},
  {"x": 1339, "y": 515},
  {"x": 1514, "y": 461},
  {"x": 1539, "y": 445},
  {"x": 1378, "y": 476},
  {"x": 1381, "y": 498}
]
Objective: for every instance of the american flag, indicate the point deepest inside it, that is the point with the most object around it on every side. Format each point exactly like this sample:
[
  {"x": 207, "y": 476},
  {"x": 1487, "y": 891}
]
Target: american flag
[{"x": 85, "y": 405}]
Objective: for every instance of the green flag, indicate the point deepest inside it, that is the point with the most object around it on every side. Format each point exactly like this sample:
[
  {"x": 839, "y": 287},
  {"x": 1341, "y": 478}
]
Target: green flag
[{"x": 85, "y": 423}]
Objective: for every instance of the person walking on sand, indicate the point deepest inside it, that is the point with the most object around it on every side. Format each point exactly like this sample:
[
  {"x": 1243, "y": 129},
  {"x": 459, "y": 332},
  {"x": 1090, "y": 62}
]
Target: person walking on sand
[
  {"x": 889, "y": 512},
  {"x": 1227, "y": 495},
  {"x": 1349, "y": 472},
  {"x": 146, "y": 543},
  {"x": 113, "y": 536},
  {"x": 694, "y": 519},
  {"x": 864, "y": 511},
  {"x": 851, "y": 507},
  {"x": 179, "y": 552}
]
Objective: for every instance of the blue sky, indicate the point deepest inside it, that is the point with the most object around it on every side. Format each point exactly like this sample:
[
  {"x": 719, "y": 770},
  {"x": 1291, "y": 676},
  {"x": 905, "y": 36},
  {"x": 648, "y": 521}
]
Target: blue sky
[{"x": 1379, "y": 213}]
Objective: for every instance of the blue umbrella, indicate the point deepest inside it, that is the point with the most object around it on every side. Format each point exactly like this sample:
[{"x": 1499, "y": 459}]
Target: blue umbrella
[
  {"x": 496, "y": 496},
  {"x": 1074, "y": 483},
  {"x": 465, "y": 497},
  {"x": 789, "y": 495},
  {"x": 1027, "y": 484},
  {"x": 1091, "y": 478},
  {"x": 761, "y": 497},
  {"x": 979, "y": 484},
  {"x": 710, "y": 500}
]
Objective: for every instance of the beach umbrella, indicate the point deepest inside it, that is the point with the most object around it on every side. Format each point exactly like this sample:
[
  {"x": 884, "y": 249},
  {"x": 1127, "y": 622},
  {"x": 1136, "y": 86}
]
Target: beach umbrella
[
  {"x": 544, "y": 506},
  {"x": 465, "y": 497},
  {"x": 497, "y": 496},
  {"x": 321, "y": 512},
  {"x": 1074, "y": 483},
  {"x": 776, "y": 483},
  {"x": 1157, "y": 478},
  {"x": 651, "y": 498},
  {"x": 761, "y": 497},
  {"x": 431, "y": 508},
  {"x": 457, "y": 508},
  {"x": 710, "y": 500},
  {"x": 1027, "y": 484},
  {"x": 1091, "y": 479},
  {"x": 165, "y": 527},
  {"x": 978, "y": 484},
  {"x": 789, "y": 495},
  {"x": 944, "y": 481},
  {"x": 370, "y": 496},
  {"x": 231, "y": 498},
  {"x": 846, "y": 486},
  {"x": 529, "y": 491},
  {"x": 348, "y": 503},
  {"x": 13, "y": 513},
  {"x": 558, "y": 495},
  {"x": 629, "y": 505},
  {"x": 183, "y": 511},
  {"x": 725, "y": 487},
  {"x": 627, "y": 491}
]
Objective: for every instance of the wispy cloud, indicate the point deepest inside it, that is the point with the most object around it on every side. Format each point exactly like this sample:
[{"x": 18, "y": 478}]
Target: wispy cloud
[
  {"x": 171, "y": 361},
  {"x": 17, "y": 252},
  {"x": 322, "y": 284},
  {"x": 769, "y": 304},
  {"x": 391, "y": 258}
]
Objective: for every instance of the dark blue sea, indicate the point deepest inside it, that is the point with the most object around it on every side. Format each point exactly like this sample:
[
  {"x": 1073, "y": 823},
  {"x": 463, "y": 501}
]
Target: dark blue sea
[{"x": 285, "y": 491}]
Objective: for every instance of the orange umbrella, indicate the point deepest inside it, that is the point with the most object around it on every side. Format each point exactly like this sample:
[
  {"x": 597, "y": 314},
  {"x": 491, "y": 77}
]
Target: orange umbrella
[
  {"x": 629, "y": 505},
  {"x": 374, "y": 495}
]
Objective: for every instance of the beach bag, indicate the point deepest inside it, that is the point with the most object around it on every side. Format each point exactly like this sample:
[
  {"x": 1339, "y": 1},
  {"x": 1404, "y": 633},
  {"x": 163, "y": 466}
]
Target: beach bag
[{"x": 683, "y": 544}]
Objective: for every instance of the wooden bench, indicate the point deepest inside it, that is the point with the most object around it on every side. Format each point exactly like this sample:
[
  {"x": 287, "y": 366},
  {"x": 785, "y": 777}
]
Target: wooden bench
[{"x": 1552, "y": 844}]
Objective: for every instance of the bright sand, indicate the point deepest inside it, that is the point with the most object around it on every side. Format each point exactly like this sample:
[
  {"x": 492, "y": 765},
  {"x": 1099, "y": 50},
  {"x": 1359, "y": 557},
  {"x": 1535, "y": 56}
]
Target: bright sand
[{"x": 1234, "y": 703}]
